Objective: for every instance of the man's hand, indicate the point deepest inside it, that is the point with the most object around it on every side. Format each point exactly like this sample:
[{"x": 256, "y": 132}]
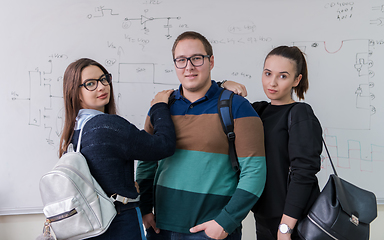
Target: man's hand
[
  {"x": 149, "y": 221},
  {"x": 211, "y": 228}
]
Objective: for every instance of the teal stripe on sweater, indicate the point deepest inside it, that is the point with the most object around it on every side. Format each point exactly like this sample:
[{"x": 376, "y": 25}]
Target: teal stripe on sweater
[
  {"x": 199, "y": 172},
  {"x": 252, "y": 175}
]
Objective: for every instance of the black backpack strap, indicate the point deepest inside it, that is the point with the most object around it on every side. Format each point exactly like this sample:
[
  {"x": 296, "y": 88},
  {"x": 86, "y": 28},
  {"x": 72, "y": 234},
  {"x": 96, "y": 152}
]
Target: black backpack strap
[
  {"x": 224, "y": 106},
  {"x": 172, "y": 98}
]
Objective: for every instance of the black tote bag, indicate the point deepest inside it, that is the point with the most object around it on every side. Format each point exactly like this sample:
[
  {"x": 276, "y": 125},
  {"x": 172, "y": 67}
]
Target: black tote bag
[{"x": 342, "y": 211}]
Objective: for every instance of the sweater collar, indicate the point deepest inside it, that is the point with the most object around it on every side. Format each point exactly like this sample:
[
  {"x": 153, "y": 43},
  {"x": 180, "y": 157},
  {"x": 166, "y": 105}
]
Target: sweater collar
[
  {"x": 84, "y": 115},
  {"x": 209, "y": 94}
]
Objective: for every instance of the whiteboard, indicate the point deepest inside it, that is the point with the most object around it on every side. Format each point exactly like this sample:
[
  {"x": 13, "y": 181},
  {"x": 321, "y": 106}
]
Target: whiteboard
[{"x": 344, "y": 43}]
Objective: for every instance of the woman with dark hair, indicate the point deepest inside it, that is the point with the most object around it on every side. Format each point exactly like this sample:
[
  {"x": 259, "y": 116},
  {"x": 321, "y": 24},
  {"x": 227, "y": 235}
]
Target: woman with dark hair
[
  {"x": 293, "y": 145},
  {"x": 110, "y": 143}
]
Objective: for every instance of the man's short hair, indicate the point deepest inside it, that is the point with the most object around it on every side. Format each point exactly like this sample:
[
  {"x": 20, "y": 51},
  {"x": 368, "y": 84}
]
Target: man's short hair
[{"x": 193, "y": 35}]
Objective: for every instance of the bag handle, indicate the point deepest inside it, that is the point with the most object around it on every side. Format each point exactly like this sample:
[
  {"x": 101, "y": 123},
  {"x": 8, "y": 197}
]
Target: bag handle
[{"x": 329, "y": 156}]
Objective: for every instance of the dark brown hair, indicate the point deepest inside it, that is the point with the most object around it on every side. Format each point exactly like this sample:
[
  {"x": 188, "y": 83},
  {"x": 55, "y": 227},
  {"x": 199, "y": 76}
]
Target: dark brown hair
[
  {"x": 296, "y": 55},
  {"x": 71, "y": 93},
  {"x": 193, "y": 35}
]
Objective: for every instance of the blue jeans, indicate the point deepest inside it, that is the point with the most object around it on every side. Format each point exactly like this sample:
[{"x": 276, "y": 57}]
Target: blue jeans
[
  {"x": 127, "y": 225},
  {"x": 168, "y": 235}
]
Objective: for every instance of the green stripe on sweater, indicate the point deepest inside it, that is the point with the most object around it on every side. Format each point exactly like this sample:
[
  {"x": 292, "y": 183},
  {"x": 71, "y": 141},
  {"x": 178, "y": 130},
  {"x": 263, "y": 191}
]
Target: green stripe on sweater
[{"x": 181, "y": 210}]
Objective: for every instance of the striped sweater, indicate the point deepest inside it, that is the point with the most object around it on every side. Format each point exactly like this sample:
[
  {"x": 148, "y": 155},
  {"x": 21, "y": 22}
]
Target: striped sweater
[{"x": 197, "y": 184}]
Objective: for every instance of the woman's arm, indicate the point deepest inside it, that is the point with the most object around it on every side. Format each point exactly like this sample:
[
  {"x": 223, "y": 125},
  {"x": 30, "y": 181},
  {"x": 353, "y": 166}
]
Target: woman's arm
[
  {"x": 162, "y": 96},
  {"x": 305, "y": 147}
]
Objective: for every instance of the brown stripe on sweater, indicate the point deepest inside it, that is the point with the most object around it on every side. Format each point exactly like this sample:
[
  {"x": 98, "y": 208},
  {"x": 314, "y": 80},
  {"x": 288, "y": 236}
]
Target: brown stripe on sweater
[
  {"x": 205, "y": 133},
  {"x": 249, "y": 137}
]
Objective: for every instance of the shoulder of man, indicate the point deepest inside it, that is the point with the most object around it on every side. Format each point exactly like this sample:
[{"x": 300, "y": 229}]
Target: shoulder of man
[{"x": 241, "y": 107}]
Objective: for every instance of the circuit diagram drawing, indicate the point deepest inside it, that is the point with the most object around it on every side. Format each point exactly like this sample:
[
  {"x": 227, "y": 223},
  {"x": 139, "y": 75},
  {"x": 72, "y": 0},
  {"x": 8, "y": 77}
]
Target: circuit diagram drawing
[
  {"x": 146, "y": 73},
  {"x": 148, "y": 79},
  {"x": 363, "y": 92},
  {"x": 101, "y": 12},
  {"x": 143, "y": 19},
  {"x": 379, "y": 12},
  {"x": 378, "y": 8},
  {"x": 378, "y": 21},
  {"x": 44, "y": 105},
  {"x": 347, "y": 120},
  {"x": 353, "y": 59},
  {"x": 354, "y": 157}
]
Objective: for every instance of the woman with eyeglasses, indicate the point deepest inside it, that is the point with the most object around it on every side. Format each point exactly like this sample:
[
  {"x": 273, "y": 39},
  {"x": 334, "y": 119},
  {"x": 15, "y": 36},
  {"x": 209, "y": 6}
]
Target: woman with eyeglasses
[
  {"x": 109, "y": 142},
  {"x": 293, "y": 144}
]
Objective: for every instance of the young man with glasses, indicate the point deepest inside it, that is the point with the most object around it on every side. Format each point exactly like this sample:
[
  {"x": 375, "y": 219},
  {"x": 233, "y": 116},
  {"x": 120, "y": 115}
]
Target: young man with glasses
[{"x": 196, "y": 194}]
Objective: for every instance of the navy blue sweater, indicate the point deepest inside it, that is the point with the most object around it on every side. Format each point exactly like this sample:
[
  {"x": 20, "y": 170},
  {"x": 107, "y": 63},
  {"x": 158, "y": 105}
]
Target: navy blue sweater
[{"x": 111, "y": 144}]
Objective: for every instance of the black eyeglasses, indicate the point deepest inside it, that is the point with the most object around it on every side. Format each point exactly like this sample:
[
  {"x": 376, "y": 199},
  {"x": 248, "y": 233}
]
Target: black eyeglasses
[
  {"x": 91, "y": 84},
  {"x": 196, "y": 61}
]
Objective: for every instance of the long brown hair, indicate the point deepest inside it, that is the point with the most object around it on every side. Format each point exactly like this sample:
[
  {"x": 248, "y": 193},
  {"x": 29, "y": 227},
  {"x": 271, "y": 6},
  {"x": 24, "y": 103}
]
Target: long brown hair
[
  {"x": 71, "y": 93},
  {"x": 296, "y": 55}
]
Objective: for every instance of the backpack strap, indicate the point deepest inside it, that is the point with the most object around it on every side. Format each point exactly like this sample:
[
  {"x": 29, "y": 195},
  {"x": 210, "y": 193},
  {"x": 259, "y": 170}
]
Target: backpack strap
[
  {"x": 224, "y": 106},
  {"x": 289, "y": 119},
  {"x": 81, "y": 132},
  {"x": 172, "y": 98}
]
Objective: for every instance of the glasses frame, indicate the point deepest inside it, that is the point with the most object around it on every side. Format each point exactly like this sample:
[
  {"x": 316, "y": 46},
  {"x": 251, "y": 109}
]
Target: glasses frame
[
  {"x": 189, "y": 59},
  {"x": 108, "y": 76}
]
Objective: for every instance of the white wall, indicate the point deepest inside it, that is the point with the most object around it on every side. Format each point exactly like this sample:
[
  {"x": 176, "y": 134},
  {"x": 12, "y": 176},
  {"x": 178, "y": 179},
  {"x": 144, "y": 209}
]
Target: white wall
[{"x": 26, "y": 227}]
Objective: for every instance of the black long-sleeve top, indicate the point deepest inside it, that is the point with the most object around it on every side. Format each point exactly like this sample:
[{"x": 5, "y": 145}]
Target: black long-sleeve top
[
  {"x": 111, "y": 144},
  {"x": 298, "y": 146}
]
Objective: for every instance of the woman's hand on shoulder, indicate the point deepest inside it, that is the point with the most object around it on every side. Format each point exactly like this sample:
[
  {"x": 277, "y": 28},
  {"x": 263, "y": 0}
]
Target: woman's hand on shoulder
[
  {"x": 162, "y": 96},
  {"x": 235, "y": 87}
]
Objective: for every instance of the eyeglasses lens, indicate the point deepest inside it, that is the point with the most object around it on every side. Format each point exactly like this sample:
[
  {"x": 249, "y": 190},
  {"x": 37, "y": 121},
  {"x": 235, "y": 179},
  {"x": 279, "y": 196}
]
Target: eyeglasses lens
[
  {"x": 92, "y": 84},
  {"x": 196, "y": 61}
]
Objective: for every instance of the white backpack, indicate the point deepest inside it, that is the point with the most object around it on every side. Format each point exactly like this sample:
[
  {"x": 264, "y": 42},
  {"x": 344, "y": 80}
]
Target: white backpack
[{"x": 75, "y": 205}]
